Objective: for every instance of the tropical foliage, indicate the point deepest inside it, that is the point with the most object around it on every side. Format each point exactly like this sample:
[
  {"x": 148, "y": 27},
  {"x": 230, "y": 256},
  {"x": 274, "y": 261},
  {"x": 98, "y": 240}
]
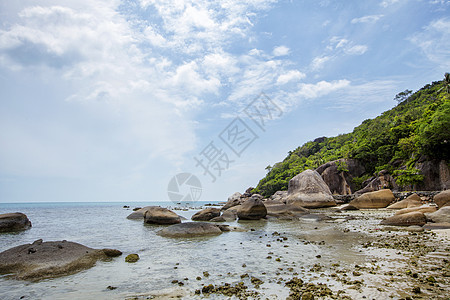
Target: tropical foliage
[{"x": 419, "y": 126}]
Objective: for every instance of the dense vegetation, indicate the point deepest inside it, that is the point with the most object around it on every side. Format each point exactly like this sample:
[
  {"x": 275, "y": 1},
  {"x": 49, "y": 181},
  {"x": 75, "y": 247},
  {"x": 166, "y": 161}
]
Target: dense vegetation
[{"x": 419, "y": 126}]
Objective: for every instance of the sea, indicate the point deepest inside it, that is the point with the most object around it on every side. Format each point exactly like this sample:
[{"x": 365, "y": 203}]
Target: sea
[{"x": 273, "y": 251}]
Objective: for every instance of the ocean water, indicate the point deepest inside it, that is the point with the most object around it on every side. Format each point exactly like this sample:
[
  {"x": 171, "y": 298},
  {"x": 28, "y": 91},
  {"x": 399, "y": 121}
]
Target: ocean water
[{"x": 162, "y": 260}]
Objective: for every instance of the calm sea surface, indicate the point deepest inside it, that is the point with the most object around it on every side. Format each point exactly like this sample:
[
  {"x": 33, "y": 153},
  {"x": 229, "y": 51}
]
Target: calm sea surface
[{"x": 104, "y": 225}]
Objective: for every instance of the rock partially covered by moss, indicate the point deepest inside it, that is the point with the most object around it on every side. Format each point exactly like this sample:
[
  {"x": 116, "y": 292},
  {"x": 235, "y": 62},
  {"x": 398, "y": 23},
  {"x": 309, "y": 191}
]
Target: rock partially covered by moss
[
  {"x": 41, "y": 260},
  {"x": 132, "y": 258}
]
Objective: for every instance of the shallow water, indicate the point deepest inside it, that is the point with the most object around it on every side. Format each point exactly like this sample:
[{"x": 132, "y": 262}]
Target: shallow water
[{"x": 165, "y": 259}]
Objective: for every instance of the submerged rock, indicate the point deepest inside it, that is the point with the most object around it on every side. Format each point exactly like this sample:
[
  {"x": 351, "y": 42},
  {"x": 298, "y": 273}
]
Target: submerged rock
[
  {"x": 190, "y": 229},
  {"x": 14, "y": 222},
  {"x": 161, "y": 216},
  {"x": 308, "y": 189},
  {"x": 252, "y": 209},
  {"x": 41, "y": 260},
  {"x": 278, "y": 209},
  {"x": 411, "y": 201},
  {"x": 377, "y": 199},
  {"x": 206, "y": 214},
  {"x": 408, "y": 219}
]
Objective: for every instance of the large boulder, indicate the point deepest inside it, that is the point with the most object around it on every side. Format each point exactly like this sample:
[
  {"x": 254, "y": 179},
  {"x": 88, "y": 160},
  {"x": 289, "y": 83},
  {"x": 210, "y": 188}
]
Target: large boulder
[
  {"x": 233, "y": 200},
  {"x": 252, "y": 209},
  {"x": 190, "y": 229},
  {"x": 423, "y": 209},
  {"x": 206, "y": 214},
  {"x": 41, "y": 260},
  {"x": 411, "y": 201},
  {"x": 338, "y": 175},
  {"x": 308, "y": 189},
  {"x": 440, "y": 216},
  {"x": 279, "y": 209},
  {"x": 442, "y": 199},
  {"x": 231, "y": 213},
  {"x": 14, "y": 222},
  {"x": 161, "y": 216},
  {"x": 377, "y": 199},
  {"x": 139, "y": 214},
  {"x": 412, "y": 218}
]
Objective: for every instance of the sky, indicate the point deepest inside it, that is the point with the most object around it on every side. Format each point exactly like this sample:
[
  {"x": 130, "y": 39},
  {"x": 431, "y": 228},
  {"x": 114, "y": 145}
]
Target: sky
[{"x": 108, "y": 100}]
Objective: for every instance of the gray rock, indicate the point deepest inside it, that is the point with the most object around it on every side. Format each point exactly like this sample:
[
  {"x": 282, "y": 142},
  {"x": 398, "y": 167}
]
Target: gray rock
[
  {"x": 190, "y": 229},
  {"x": 442, "y": 215},
  {"x": 382, "y": 181},
  {"x": 339, "y": 180},
  {"x": 308, "y": 189},
  {"x": 279, "y": 196},
  {"x": 233, "y": 200},
  {"x": 230, "y": 214},
  {"x": 11, "y": 222},
  {"x": 50, "y": 259},
  {"x": 206, "y": 214},
  {"x": 161, "y": 216},
  {"x": 252, "y": 209},
  {"x": 377, "y": 199}
]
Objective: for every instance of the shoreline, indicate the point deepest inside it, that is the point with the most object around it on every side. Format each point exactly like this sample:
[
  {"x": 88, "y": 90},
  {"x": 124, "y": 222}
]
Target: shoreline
[{"x": 388, "y": 263}]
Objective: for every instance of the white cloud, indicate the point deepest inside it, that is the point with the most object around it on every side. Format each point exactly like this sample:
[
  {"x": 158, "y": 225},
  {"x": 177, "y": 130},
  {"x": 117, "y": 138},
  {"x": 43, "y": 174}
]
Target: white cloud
[
  {"x": 196, "y": 26},
  {"x": 309, "y": 90},
  {"x": 367, "y": 19},
  {"x": 434, "y": 41},
  {"x": 281, "y": 51},
  {"x": 290, "y": 76},
  {"x": 356, "y": 50},
  {"x": 386, "y": 3},
  {"x": 319, "y": 62}
]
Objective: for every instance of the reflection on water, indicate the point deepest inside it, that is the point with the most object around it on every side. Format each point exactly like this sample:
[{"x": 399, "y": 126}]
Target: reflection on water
[{"x": 258, "y": 252}]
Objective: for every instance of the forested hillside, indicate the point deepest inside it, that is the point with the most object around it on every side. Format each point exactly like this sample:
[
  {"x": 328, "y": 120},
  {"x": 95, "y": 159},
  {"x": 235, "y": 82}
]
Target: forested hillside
[{"x": 417, "y": 128}]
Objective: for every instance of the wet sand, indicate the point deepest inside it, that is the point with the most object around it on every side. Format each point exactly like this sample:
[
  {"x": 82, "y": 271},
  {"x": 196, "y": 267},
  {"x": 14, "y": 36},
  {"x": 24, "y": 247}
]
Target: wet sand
[{"x": 350, "y": 256}]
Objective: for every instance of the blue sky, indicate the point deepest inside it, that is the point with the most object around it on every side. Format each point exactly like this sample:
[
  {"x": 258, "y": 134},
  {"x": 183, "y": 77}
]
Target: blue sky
[{"x": 106, "y": 100}]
